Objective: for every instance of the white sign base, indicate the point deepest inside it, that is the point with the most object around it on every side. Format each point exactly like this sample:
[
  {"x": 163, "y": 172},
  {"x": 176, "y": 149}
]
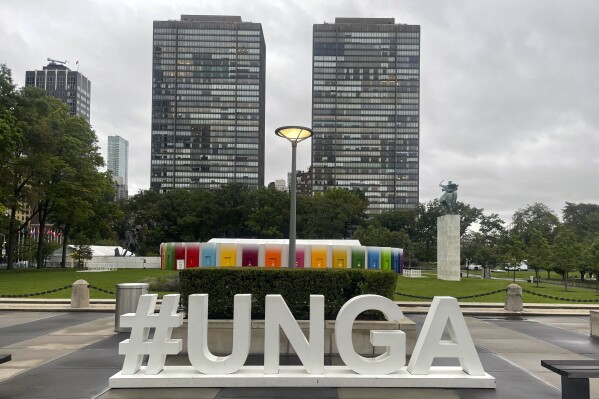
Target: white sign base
[{"x": 296, "y": 376}]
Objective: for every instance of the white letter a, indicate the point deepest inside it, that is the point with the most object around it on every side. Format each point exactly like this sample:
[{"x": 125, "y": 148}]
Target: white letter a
[{"x": 445, "y": 312}]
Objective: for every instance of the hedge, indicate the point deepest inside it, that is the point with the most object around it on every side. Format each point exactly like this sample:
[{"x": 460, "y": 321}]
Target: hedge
[{"x": 295, "y": 285}]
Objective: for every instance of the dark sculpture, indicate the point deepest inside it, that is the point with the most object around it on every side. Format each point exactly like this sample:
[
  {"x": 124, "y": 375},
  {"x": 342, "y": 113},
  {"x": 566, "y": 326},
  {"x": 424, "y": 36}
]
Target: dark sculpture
[
  {"x": 449, "y": 197},
  {"x": 131, "y": 244}
]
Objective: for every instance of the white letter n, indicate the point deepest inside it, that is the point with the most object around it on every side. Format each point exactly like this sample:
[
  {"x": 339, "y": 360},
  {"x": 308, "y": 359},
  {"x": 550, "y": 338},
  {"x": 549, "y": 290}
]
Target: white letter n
[{"x": 277, "y": 314}]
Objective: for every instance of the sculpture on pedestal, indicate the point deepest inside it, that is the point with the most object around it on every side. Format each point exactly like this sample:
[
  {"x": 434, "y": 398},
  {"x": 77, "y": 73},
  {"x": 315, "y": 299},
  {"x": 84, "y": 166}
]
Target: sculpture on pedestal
[
  {"x": 449, "y": 197},
  {"x": 448, "y": 234}
]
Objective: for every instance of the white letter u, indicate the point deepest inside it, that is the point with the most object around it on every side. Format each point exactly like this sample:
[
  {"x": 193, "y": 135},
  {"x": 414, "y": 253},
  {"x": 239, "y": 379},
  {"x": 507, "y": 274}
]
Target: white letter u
[{"x": 197, "y": 338}]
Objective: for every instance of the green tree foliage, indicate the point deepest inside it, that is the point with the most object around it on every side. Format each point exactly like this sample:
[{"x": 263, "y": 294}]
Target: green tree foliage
[
  {"x": 538, "y": 253},
  {"x": 582, "y": 219},
  {"x": 379, "y": 236},
  {"x": 566, "y": 253},
  {"x": 335, "y": 214},
  {"x": 235, "y": 211},
  {"x": 50, "y": 161},
  {"x": 592, "y": 258},
  {"x": 536, "y": 216},
  {"x": 484, "y": 247},
  {"x": 268, "y": 215},
  {"x": 81, "y": 252}
]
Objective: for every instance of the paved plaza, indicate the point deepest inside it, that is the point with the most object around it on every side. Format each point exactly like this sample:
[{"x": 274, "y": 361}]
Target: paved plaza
[{"x": 72, "y": 355}]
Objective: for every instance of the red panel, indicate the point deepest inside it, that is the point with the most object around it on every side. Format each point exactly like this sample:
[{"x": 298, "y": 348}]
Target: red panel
[
  {"x": 192, "y": 257},
  {"x": 179, "y": 253}
]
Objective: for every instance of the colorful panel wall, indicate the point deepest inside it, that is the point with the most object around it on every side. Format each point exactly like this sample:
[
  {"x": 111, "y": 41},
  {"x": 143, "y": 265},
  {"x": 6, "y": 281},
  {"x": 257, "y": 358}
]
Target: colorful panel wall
[
  {"x": 208, "y": 252},
  {"x": 358, "y": 258},
  {"x": 177, "y": 256},
  {"x": 341, "y": 257},
  {"x": 228, "y": 255},
  {"x": 319, "y": 257},
  {"x": 374, "y": 258},
  {"x": 249, "y": 255},
  {"x": 386, "y": 258},
  {"x": 192, "y": 255},
  {"x": 273, "y": 255}
]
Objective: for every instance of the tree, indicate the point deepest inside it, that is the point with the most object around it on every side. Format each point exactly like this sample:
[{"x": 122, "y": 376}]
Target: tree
[
  {"x": 71, "y": 182},
  {"x": 335, "y": 213},
  {"x": 514, "y": 251},
  {"x": 381, "y": 237},
  {"x": 538, "y": 254},
  {"x": 582, "y": 219},
  {"x": 81, "y": 252},
  {"x": 592, "y": 257},
  {"x": 268, "y": 215},
  {"x": 536, "y": 216},
  {"x": 28, "y": 122},
  {"x": 566, "y": 253}
]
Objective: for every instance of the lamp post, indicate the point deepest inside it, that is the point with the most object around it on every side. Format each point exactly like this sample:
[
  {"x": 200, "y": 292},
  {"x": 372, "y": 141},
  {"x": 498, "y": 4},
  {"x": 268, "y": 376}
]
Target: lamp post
[{"x": 294, "y": 134}]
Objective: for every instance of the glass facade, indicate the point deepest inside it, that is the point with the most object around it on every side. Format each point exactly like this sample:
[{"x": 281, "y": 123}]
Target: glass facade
[
  {"x": 207, "y": 103},
  {"x": 118, "y": 157},
  {"x": 71, "y": 87},
  {"x": 365, "y": 110}
]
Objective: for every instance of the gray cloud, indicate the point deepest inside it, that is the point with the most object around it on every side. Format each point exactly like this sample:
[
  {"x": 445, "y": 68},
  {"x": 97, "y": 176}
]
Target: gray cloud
[{"x": 508, "y": 107}]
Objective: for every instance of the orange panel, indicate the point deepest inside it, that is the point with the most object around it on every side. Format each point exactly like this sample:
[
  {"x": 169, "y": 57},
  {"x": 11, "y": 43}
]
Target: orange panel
[
  {"x": 319, "y": 257},
  {"x": 272, "y": 257}
]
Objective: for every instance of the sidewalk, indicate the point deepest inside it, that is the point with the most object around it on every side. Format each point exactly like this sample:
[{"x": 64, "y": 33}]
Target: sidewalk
[{"x": 72, "y": 355}]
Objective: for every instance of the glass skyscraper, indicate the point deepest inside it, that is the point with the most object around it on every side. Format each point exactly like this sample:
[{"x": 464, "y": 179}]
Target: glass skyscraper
[
  {"x": 71, "y": 87},
  {"x": 118, "y": 164},
  {"x": 365, "y": 110},
  {"x": 207, "y": 103}
]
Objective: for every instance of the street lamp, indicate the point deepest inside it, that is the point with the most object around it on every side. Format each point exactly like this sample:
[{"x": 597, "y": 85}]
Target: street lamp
[{"x": 294, "y": 134}]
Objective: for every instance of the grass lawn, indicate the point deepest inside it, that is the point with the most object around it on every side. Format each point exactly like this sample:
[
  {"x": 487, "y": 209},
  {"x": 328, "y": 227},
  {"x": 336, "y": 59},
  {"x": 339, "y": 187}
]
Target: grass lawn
[
  {"x": 33, "y": 281},
  {"x": 430, "y": 286}
]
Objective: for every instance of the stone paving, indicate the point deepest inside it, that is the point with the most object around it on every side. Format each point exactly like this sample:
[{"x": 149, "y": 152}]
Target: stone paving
[{"x": 72, "y": 355}]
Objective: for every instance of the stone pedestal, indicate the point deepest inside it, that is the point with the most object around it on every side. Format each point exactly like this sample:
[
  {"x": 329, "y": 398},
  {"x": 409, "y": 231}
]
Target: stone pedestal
[
  {"x": 448, "y": 247},
  {"x": 513, "y": 298},
  {"x": 80, "y": 295}
]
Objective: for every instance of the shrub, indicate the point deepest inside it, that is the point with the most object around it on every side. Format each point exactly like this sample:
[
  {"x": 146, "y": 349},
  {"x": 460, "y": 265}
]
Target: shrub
[
  {"x": 337, "y": 286},
  {"x": 166, "y": 283}
]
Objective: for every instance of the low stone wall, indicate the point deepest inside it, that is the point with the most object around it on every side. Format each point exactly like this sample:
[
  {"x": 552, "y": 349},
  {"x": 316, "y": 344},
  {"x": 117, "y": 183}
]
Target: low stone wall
[{"x": 220, "y": 336}]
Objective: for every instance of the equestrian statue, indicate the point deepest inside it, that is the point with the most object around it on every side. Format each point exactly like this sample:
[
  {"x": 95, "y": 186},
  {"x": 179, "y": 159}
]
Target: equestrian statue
[{"x": 449, "y": 197}]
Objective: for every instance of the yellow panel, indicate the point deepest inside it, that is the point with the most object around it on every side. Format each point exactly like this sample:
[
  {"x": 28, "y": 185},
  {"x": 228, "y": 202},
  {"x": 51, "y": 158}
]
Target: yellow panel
[{"x": 227, "y": 256}]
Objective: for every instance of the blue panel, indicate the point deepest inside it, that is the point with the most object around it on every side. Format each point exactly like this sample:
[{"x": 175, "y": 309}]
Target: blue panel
[
  {"x": 374, "y": 258},
  {"x": 208, "y": 255}
]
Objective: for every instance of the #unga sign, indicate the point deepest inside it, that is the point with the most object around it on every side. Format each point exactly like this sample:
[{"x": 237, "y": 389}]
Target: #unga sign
[{"x": 386, "y": 370}]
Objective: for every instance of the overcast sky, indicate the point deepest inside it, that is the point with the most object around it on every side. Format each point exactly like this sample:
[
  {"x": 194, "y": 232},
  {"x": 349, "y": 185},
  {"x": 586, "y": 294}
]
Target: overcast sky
[{"x": 510, "y": 89}]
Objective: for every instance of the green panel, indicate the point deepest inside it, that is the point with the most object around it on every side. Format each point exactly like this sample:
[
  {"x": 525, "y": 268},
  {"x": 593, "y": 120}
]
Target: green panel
[
  {"x": 169, "y": 259},
  {"x": 386, "y": 259},
  {"x": 358, "y": 258}
]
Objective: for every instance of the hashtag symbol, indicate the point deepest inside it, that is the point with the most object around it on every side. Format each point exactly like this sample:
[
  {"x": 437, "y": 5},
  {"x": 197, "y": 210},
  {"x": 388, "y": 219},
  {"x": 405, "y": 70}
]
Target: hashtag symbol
[{"x": 141, "y": 323}]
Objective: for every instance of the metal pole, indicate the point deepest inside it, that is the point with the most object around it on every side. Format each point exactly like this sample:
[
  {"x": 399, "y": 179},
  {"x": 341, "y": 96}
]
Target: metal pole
[{"x": 292, "y": 194}]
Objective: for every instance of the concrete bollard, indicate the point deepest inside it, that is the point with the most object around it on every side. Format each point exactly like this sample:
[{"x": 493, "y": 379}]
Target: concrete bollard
[
  {"x": 513, "y": 298},
  {"x": 80, "y": 295}
]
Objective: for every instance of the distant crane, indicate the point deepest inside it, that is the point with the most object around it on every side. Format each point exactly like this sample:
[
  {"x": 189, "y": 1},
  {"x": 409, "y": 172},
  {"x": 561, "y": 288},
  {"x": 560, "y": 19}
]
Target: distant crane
[{"x": 57, "y": 62}]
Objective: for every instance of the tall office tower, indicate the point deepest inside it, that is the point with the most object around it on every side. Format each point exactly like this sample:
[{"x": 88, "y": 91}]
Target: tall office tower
[
  {"x": 365, "y": 110},
  {"x": 71, "y": 87},
  {"x": 118, "y": 164},
  {"x": 207, "y": 103}
]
